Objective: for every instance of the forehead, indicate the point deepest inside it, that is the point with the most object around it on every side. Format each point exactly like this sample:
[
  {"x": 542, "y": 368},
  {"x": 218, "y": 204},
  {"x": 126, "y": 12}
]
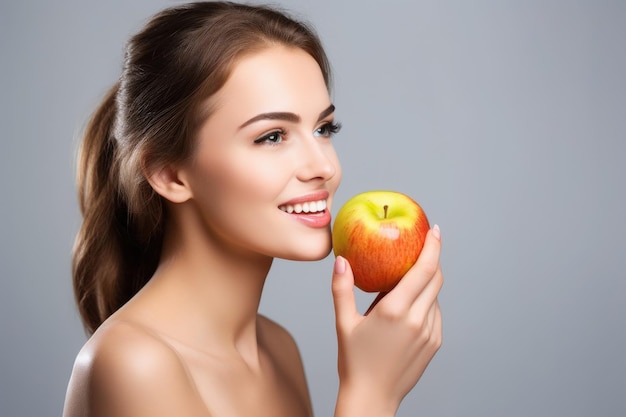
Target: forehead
[{"x": 277, "y": 78}]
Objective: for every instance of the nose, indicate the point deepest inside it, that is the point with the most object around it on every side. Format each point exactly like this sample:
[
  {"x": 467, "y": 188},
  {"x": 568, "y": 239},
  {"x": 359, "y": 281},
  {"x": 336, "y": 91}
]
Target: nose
[{"x": 317, "y": 160}]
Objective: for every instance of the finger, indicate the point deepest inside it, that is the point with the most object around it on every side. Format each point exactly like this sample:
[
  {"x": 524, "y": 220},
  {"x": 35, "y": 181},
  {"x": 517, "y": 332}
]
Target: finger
[
  {"x": 435, "y": 326},
  {"x": 424, "y": 269},
  {"x": 438, "y": 326},
  {"x": 343, "y": 293},
  {"x": 432, "y": 316},
  {"x": 433, "y": 342},
  {"x": 428, "y": 296}
]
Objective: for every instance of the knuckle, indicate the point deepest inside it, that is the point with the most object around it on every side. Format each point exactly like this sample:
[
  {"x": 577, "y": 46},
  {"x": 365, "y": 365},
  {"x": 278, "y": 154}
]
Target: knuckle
[
  {"x": 339, "y": 287},
  {"x": 430, "y": 267},
  {"x": 391, "y": 311},
  {"x": 430, "y": 341},
  {"x": 436, "y": 341},
  {"x": 417, "y": 326},
  {"x": 439, "y": 279},
  {"x": 336, "y": 287}
]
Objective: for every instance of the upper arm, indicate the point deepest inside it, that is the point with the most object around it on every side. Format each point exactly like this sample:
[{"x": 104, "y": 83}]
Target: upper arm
[{"x": 129, "y": 373}]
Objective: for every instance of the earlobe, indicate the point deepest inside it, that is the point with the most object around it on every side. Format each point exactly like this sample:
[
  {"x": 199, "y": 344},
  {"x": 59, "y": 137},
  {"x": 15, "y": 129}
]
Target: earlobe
[{"x": 169, "y": 185}]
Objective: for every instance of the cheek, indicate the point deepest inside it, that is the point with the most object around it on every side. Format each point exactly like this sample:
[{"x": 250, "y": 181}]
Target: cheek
[{"x": 239, "y": 180}]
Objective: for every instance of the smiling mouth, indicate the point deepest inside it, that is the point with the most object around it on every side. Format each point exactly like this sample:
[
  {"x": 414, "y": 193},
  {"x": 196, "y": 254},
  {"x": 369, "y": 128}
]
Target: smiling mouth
[{"x": 309, "y": 207}]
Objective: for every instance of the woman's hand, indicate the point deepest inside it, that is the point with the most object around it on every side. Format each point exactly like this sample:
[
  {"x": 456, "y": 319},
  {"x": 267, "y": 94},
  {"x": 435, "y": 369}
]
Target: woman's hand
[{"x": 383, "y": 354}]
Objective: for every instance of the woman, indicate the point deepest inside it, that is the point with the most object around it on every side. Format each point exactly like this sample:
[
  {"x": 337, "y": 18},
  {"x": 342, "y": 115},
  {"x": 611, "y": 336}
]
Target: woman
[{"x": 210, "y": 157}]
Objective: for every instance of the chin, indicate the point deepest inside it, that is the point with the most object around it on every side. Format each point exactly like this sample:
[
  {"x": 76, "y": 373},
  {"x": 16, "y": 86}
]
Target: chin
[
  {"x": 321, "y": 255},
  {"x": 308, "y": 253}
]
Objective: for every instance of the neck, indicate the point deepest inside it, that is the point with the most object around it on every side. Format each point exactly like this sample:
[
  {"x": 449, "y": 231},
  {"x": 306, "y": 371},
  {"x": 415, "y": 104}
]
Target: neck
[{"x": 206, "y": 293}]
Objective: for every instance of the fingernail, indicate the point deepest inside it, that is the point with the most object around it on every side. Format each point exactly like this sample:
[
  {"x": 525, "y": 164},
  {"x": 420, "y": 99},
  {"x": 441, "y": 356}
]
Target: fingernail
[
  {"x": 340, "y": 265},
  {"x": 437, "y": 232}
]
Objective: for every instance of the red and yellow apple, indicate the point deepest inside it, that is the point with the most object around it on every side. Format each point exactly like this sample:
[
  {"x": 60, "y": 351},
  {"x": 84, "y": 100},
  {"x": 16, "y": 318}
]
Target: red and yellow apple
[{"x": 381, "y": 234}]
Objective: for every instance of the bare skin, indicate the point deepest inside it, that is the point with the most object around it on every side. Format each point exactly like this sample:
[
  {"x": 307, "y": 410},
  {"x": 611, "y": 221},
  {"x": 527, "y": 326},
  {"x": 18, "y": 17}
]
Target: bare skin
[
  {"x": 191, "y": 342},
  {"x": 130, "y": 370}
]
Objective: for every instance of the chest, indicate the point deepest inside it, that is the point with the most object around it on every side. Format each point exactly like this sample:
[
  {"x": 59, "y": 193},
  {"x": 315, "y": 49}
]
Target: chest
[{"x": 230, "y": 388}]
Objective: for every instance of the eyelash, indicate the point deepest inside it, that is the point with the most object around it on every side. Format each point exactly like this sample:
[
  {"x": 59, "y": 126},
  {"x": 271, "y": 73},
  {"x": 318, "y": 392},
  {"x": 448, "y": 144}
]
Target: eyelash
[
  {"x": 330, "y": 128},
  {"x": 267, "y": 138}
]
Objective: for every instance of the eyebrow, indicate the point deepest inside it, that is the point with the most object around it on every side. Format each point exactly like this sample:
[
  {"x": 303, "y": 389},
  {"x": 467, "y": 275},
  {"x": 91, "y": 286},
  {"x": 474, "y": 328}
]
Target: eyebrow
[{"x": 287, "y": 116}]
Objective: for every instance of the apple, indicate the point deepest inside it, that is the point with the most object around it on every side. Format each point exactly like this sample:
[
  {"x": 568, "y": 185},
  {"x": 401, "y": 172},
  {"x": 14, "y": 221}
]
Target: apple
[{"x": 381, "y": 234}]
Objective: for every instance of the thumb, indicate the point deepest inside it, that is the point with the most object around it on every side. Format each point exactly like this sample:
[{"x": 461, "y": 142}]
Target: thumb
[{"x": 343, "y": 293}]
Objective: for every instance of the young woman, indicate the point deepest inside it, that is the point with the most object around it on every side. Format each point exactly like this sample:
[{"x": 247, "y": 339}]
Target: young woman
[{"x": 211, "y": 156}]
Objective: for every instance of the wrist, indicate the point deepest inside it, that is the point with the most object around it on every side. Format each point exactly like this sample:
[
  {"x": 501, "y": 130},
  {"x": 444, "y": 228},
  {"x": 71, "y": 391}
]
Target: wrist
[{"x": 362, "y": 402}]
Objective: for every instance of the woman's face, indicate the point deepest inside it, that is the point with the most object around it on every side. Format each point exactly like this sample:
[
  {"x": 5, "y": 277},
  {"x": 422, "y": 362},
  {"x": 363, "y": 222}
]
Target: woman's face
[{"x": 265, "y": 169}]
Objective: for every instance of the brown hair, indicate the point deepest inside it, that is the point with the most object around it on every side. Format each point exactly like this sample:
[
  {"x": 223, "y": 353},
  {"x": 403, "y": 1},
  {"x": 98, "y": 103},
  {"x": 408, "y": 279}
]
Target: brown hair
[{"x": 149, "y": 119}]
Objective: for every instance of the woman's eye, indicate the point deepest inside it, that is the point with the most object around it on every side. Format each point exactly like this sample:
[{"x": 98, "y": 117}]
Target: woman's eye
[
  {"x": 271, "y": 138},
  {"x": 327, "y": 129}
]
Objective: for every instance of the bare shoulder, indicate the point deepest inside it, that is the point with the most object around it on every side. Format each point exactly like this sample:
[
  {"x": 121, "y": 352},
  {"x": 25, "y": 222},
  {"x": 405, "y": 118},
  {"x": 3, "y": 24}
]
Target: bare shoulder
[
  {"x": 274, "y": 332},
  {"x": 285, "y": 353},
  {"x": 126, "y": 370},
  {"x": 279, "y": 342}
]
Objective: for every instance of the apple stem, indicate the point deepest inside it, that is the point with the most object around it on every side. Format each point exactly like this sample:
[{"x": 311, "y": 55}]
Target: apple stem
[{"x": 385, "y": 207}]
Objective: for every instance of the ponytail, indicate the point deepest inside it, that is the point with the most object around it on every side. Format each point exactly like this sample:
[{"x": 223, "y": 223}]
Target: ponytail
[{"x": 109, "y": 263}]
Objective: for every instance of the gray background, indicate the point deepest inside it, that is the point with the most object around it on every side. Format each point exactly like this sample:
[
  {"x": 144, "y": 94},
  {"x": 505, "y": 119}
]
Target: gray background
[{"x": 504, "y": 119}]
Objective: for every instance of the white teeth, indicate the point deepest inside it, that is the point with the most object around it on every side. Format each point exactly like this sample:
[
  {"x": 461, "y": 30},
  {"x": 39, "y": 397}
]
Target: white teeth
[{"x": 307, "y": 207}]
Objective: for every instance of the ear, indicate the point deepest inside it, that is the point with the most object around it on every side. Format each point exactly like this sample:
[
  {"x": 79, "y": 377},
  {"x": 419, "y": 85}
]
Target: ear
[{"x": 169, "y": 184}]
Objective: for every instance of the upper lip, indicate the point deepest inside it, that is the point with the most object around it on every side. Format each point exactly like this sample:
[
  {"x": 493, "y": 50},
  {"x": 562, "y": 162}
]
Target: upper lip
[{"x": 319, "y": 195}]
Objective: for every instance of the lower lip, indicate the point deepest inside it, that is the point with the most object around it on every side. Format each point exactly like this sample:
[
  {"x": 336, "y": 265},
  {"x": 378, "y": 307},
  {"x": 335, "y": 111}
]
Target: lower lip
[{"x": 317, "y": 220}]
